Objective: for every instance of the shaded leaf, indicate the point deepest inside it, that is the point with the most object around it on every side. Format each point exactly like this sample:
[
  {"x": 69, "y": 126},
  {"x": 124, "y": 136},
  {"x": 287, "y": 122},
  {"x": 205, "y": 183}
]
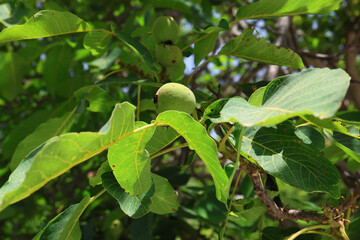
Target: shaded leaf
[
  {"x": 283, "y": 155},
  {"x": 43, "y": 132},
  {"x": 286, "y": 97},
  {"x": 97, "y": 41},
  {"x": 11, "y": 14},
  {"x": 135, "y": 45},
  {"x": 198, "y": 139},
  {"x": 350, "y": 145},
  {"x": 164, "y": 200},
  {"x": 247, "y": 46},
  {"x": 279, "y": 8},
  {"x": 107, "y": 60},
  {"x": 99, "y": 100},
  {"x": 130, "y": 162},
  {"x": 248, "y": 208},
  {"x": 309, "y": 135},
  {"x": 207, "y": 43},
  {"x": 45, "y": 23},
  {"x": 64, "y": 224},
  {"x": 133, "y": 206},
  {"x": 64, "y": 152},
  {"x": 12, "y": 71},
  {"x": 57, "y": 71}
]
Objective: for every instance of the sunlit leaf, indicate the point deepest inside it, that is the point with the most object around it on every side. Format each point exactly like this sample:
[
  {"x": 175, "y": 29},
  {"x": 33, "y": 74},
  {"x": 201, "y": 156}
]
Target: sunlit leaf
[
  {"x": 64, "y": 152},
  {"x": 315, "y": 92},
  {"x": 45, "y": 23},
  {"x": 248, "y": 46},
  {"x": 130, "y": 162},
  {"x": 198, "y": 139},
  {"x": 162, "y": 137},
  {"x": 279, "y": 8},
  {"x": 164, "y": 200}
]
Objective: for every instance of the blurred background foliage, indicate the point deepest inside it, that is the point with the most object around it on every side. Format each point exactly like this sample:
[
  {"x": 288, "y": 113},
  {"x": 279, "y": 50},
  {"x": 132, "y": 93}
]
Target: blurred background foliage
[{"x": 38, "y": 79}]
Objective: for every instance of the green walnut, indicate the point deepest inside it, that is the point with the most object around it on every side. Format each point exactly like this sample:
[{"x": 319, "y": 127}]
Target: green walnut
[
  {"x": 175, "y": 96},
  {"x": 168, "y": 55},
  {"x": 165, "y": 30}
]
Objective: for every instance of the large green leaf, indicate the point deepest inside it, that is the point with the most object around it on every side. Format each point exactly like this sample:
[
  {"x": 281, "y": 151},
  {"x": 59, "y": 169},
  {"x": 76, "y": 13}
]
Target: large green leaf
[
  {"x": 316, "y": 92},
  {"x": 12, "y": 71},
  {"x": 279, "y": 8},
  {"x": 133, "y": 206},
  {"x": 198, "y": 139},
  {"x": 63, "y": 225},
  {"x": 60, "y": 153},
  {"x": 162, "y": 137},
  {"x": 248, "y": 46},
  {"x": 45, "y": 23},
  {"x": 164, "y": 200},
  {"x": 130, "y": 162},
  {"x": 43, "y": 132},
  {"x": 281, "y": 153}
]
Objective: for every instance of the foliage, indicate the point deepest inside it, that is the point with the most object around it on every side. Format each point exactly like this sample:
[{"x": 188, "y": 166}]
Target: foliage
[{"x": 85, "y": 154}]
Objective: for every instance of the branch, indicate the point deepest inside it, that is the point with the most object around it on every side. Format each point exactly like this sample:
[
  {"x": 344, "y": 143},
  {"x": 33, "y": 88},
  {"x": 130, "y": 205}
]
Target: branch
[{"x": 278, "y": 213}]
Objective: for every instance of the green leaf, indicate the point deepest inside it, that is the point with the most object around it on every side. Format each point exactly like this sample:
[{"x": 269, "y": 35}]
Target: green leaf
[
  {"x": 248, "y": 208},
  {"x": 135, "y": 45},
  {"x": 96, "y": 180},
  {"x": 286, "y": 97},
  {"x": 283, "y": 155},
  {"x": 107, "y": 60},
  {"x": 11, "y": 14},
  {"x": 256, "y": 98},
  {"x": 130, "y": 162},
  {"x": 350, "y": 145},
  {"x": 279, "y": 8},
  {"x": 207, "y": 43},
  {"x": 21, "y": 131},
  {"x": 247, "y": 46},
  {"x": 45, "y": 23},
  {"x": 309, "y": 135},
  {"x": 12, "y": 71},
  {"x": 57, "y": 71},
  {"x": 349, "y": 117},
  {"x": 64, "y": 224},
  {"x": 164, "y": 200},
  {"x": 99, "y": 100},
  {"x": 198, "y": 139},
  {"x": 97, "y": 42},
  {"x": 162, "y": 137},
  {"x": 133, "y": 206},
  {"x": 64, "y": 152},
  {"x": 43, "y": 132},
  {"x": 328, "y": 123}
]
